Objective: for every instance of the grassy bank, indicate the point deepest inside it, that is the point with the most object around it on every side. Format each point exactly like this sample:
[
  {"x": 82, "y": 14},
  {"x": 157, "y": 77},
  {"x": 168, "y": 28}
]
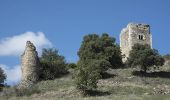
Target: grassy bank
[{"x": 120, "y": 84}]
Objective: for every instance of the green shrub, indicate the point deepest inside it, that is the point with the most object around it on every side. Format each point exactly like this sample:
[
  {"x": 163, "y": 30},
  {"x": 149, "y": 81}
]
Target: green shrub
[
  {"x": 145, "y": 57},
  {"x": 53, "y": 65},
  {"x": 71, "y": 65},
  {"x": 2, "y": 79},
  {"x": 87, "y": 75},
  {"x": 97, "y": 54},
  {"x": 101, "y": 48}
]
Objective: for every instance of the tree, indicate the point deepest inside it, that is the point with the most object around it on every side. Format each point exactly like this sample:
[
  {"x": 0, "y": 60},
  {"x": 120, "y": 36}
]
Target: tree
[
  {"x": 97, "y": 54},
  {"x": 2, "y": 78},
  {"x": 145, "y": 57},
  {"x": 71, "y": 65},
  {"x": 104, "y": 47},
  {"x": 87, "y": 75},
  {"x": 53, "y": 65}
]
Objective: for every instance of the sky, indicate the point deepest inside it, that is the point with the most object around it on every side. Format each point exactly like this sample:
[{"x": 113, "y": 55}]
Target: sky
[{"x": 61, "y": 24}]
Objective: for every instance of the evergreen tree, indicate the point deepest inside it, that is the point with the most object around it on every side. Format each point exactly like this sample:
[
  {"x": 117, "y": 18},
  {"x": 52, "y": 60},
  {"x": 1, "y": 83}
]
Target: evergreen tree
[
  {"x": 97, "y": 54},
  {"x": 145, "y": 57},
  {"x": 53, "y": 65},
  {"x": 2, "y": 78}
]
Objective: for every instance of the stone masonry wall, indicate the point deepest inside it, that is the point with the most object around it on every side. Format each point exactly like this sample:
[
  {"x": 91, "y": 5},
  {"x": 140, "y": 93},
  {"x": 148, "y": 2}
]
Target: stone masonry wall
[
  {"x": 132, "y": 34},
  {"x": 29, "y": 66}
]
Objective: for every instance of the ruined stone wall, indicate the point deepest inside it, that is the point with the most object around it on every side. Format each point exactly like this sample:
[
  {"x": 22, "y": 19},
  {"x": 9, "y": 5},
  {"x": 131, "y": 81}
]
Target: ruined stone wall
[
  {"x": 29, "y": 66},
  {"x": 139, "y": 29},
  {"x": 132, "y": 34},
  {"x": 124, "y": 42}
]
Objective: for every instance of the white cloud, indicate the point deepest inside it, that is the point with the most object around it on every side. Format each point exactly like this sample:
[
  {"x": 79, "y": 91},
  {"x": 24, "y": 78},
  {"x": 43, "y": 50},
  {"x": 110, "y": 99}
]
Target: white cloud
[
  {"x": 13, "y": 74},
  {"x": 15, "y": 45}
]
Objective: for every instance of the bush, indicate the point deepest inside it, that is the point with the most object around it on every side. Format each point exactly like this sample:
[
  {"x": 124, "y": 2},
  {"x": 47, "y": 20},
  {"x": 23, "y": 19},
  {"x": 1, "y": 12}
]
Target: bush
[
  {"x": 97, "y": 54},
  {"x": 145, "y": 57},
  {"x": 87, "y": 75},
  {"x": 53, "y": 65},
  {"x": 2, "y": 79},
  {"x": 72, "y": 65},
  {"x": 101, "y": 48}
]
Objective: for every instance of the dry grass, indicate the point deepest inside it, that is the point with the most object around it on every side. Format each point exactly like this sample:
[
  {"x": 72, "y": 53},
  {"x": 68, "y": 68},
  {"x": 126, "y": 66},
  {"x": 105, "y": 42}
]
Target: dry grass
[{"x": 120, "y": 86}]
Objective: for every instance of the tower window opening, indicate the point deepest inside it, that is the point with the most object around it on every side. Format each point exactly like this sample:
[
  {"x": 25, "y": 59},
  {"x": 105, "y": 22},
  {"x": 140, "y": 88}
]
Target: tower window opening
[{"x": 141, "y": 37}]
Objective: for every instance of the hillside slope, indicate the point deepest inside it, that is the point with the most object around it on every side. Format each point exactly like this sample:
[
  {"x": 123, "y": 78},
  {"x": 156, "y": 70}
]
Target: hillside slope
[{"x": 119, "y": 84}]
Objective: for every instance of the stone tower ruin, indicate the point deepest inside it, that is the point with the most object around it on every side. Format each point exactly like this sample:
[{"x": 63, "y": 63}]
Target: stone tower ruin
[
  {"x": 134, "y": 33},
  {"x": 29, "y": 66}
]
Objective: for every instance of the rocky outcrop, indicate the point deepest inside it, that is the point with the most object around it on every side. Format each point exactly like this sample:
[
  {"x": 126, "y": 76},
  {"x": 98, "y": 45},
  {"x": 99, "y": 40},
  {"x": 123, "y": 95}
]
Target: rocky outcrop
[{"x": 29, "y": 66}]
